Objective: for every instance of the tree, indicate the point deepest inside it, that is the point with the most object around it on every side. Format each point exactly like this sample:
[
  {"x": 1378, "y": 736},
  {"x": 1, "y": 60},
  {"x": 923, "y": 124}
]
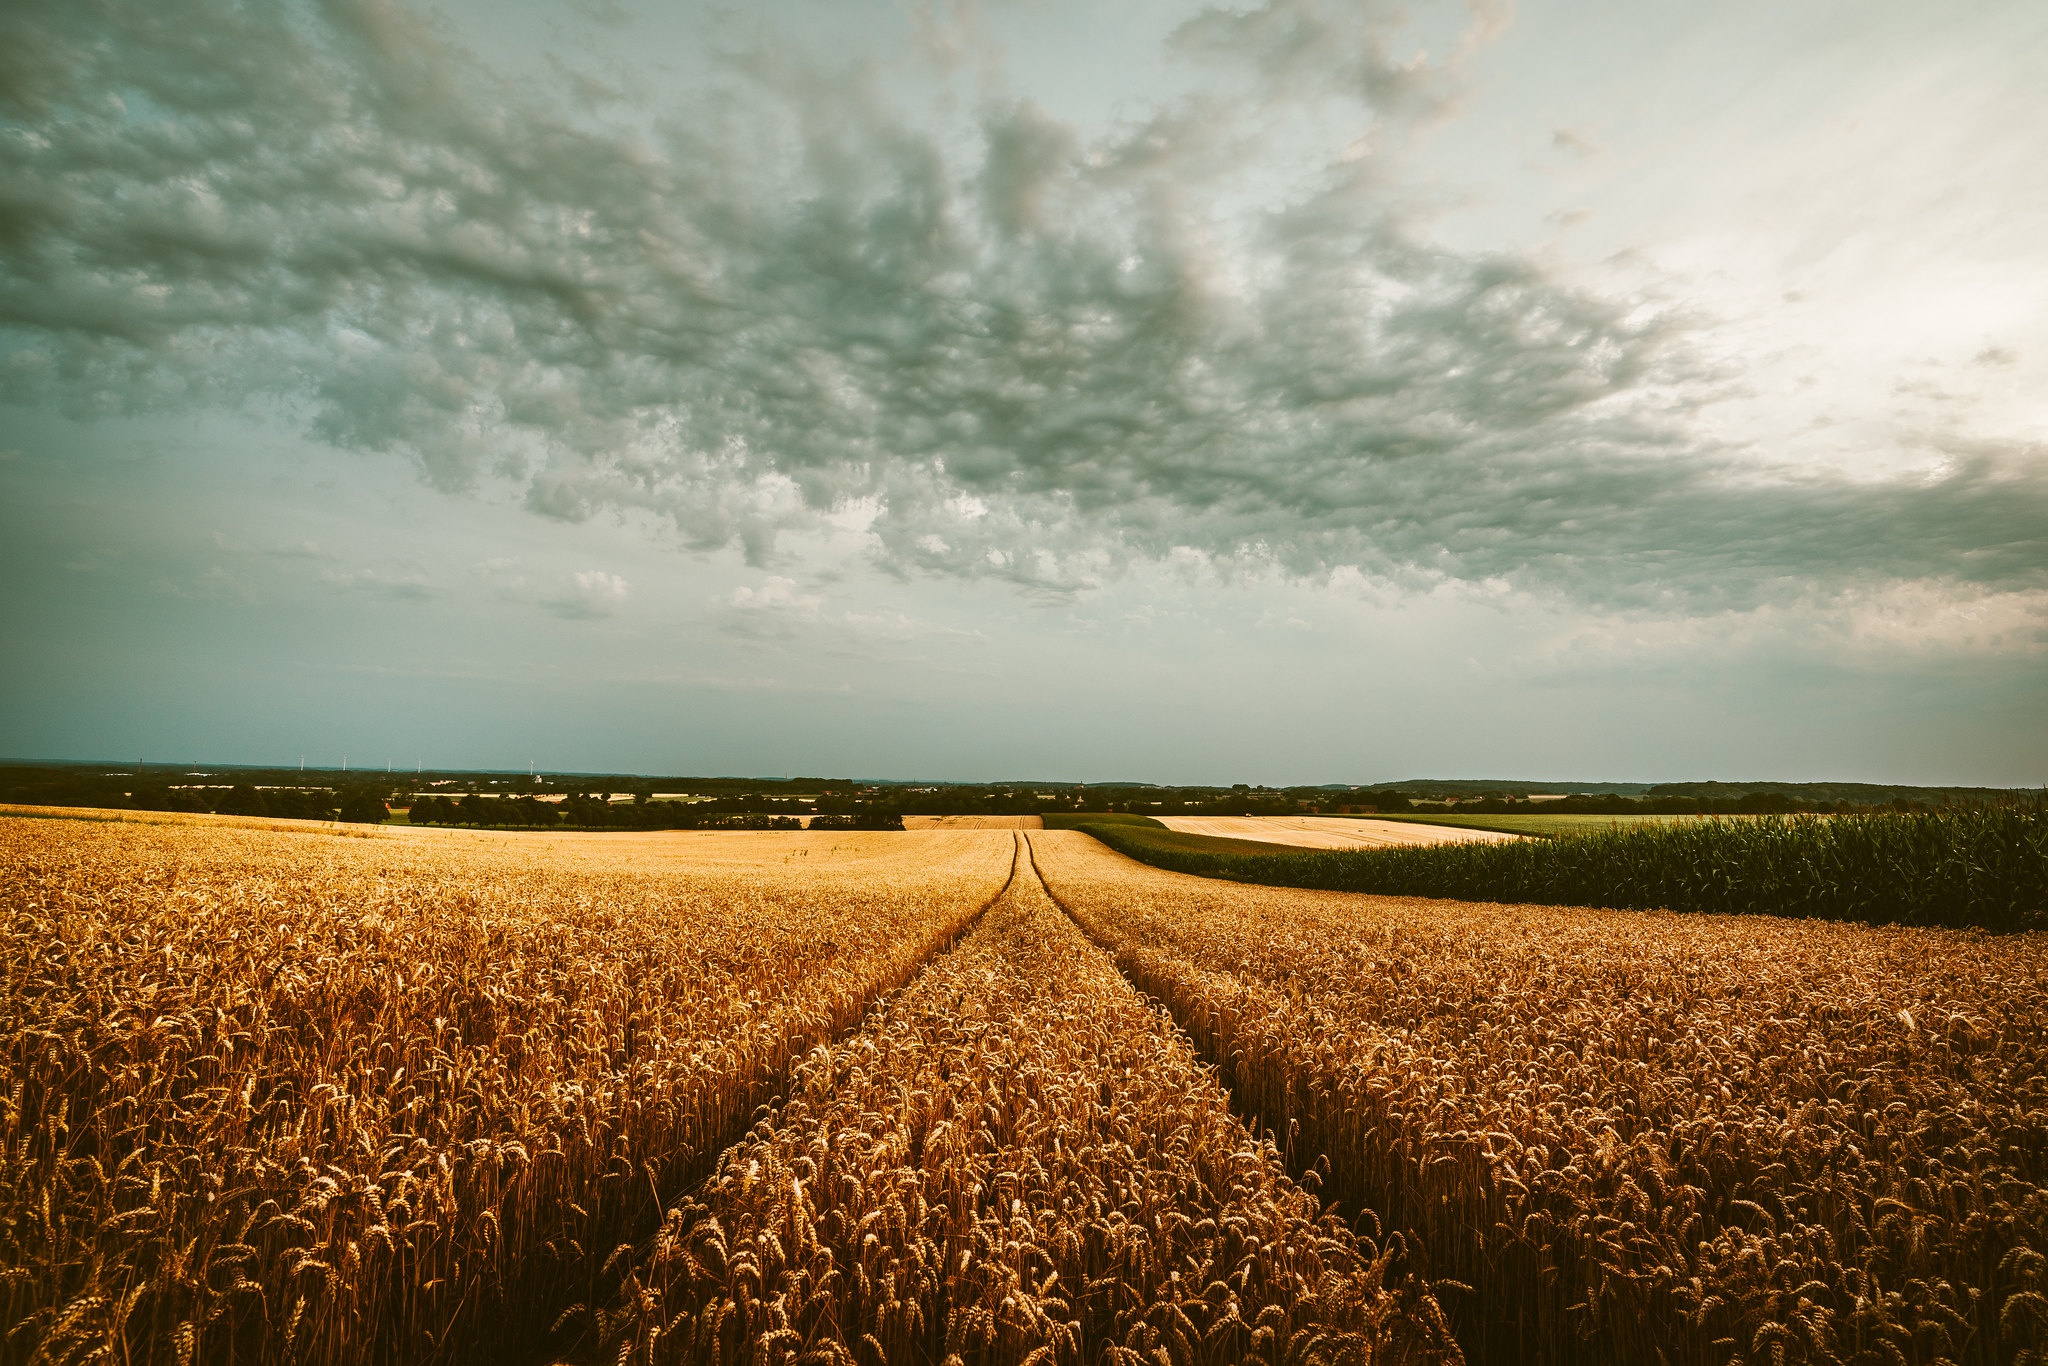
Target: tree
[
  {"x": 364, "y": 808},
  {"x": 243, "y": 800}
]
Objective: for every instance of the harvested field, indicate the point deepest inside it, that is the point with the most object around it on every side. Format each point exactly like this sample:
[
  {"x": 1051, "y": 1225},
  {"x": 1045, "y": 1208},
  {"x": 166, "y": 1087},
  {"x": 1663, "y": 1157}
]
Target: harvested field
[
  {"x": 974, "y": 823},
  {"x": 1542, "y": 822},
  {"x": 1329, "y": 832},
  {"x": 1636, "y": 1137},
  {"x": 292, "y": 1097}
]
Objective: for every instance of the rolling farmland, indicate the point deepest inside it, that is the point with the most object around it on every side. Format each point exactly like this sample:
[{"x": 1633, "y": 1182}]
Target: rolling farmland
[
  {"x": 985, "y": 1095},
  {"x": 998, "y": 683}
]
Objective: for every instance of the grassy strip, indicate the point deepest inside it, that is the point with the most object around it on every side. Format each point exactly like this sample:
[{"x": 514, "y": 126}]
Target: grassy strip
[
  {"x": 1968, "y": 866},
  {"x": 1076, "y": 820}
]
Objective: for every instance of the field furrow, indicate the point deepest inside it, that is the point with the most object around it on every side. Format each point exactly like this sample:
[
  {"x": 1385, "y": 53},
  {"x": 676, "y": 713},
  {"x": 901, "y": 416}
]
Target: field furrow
[
  {"x": 275, "y": 1097},
  {"x": 1015, "y": 1160},
  {"x": 1636, "y": 1137}
]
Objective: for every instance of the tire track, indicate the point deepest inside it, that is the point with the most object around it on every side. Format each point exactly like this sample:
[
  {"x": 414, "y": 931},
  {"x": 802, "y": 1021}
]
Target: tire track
[
  {"x": 1311, "y": 1169},
  {"x": 1018, "y": 1158},
  {"x": 569, "y": 1329}
]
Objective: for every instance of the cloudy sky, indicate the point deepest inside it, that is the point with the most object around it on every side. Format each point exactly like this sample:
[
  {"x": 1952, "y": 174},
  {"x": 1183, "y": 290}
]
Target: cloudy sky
[{"x": 1322, "y": 390}]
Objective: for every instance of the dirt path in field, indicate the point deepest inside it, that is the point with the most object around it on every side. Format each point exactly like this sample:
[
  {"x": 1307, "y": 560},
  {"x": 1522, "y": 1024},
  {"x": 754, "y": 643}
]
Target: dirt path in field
[
  {"x": 974, "y": 823},
  {"x": 1329, "y": 832}
]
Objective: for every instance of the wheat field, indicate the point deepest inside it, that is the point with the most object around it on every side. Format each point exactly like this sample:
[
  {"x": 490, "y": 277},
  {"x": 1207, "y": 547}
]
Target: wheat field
[
  {"x": 283, "y": 1095},
  {"x": 1016, "y": 1160}
]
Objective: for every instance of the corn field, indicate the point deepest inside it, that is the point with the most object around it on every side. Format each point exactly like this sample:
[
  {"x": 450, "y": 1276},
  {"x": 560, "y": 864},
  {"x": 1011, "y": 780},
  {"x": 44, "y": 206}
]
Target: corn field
[
  {"x": 1984, "y": 866},
  {"x": 980, "y": 1097}
]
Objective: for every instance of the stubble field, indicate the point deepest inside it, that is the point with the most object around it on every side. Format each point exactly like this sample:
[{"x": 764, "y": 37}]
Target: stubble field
[
  {"x": 980, "y": 1095},
  {"x": 1328, "y": 832}
]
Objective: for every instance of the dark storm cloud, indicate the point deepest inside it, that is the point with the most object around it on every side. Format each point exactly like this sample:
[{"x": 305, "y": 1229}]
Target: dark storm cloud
[{"x": 782, "y": 301}]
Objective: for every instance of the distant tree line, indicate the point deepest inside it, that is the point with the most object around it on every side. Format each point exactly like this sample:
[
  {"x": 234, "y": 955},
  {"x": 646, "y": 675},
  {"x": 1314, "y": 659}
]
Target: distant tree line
[
  {"x": 359, "y": 804},
  {"x": 581, "y": 801},
  {"x": 522, "y": 812},
  {"x": 585, "y": 812}
]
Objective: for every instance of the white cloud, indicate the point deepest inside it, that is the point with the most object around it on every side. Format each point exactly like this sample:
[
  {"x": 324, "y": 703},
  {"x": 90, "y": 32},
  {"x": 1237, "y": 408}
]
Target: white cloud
[
  {"x": 777, "y": 595},
  {"x": 592, "y": 594}
]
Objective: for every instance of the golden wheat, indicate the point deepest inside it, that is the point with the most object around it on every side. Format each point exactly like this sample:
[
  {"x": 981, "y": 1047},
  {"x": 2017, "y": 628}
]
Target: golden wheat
[
  {"x": 1638, "y": 1137},
  {"x": 277, "y": 1097},
  {"x": 1015, "y": 1160}
]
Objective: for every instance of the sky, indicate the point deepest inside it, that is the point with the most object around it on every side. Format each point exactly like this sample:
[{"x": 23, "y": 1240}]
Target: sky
[{"x": 1310, "y": 391}]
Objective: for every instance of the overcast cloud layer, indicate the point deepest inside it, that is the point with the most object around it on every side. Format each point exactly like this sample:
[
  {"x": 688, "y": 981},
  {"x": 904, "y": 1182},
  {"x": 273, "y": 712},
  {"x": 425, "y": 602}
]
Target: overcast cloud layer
[{"x": 846, "y": 311}]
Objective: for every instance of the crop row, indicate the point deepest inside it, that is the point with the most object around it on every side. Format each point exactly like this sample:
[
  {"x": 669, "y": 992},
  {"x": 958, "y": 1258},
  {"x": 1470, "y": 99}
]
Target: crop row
[
  {"x": 277, "y": 1097},
  {"x": 1983, "y": 866},
  {"x": 1636, "y": 1138},
  {"x": 1016, "y": 1160}
]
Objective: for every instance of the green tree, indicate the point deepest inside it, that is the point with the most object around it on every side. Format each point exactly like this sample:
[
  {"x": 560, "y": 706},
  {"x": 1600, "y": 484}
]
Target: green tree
[
  {"x": 243, "y": 800},
  {"x": 364, "y": 808}
]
